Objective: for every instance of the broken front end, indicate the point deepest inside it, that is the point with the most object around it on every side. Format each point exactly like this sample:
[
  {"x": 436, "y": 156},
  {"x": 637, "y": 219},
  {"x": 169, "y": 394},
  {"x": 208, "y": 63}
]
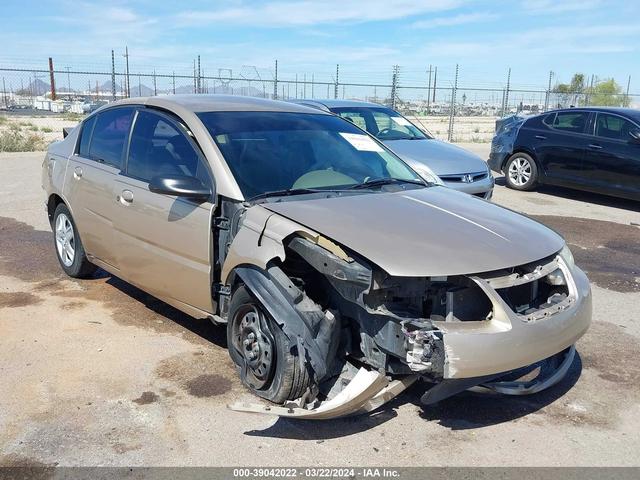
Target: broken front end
[{"x": 368, "y": 335}]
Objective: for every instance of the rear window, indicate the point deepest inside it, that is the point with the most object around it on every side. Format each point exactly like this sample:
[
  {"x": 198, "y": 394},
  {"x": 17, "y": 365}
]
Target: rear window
[{"x": 110, "y": 135}]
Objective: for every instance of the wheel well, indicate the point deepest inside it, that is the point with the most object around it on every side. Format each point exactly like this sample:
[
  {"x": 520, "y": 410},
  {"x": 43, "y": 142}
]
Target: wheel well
[
  {"x": 522, "y": 150},
  {"x": 52, "y": 204}
]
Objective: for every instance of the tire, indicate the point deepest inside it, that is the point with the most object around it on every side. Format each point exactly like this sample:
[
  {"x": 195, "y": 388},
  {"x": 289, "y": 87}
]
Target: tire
[
  {"x": 521, "y": 172},
  {"x": 68, "y": 246},
  {"x": 275, "y": 373}
]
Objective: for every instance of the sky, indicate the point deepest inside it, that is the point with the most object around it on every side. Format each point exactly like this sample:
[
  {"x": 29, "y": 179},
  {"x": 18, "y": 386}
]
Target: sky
[{"x": 485, "y": 38}]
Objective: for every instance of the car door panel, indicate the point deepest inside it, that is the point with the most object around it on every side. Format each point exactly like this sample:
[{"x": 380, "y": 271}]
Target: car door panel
[
  {"x": 612, "y": 161},
  {"x": 90, "y": 188},
  {"x": 561, "y": 152},
  {"x": 91, "y": 173},
  {"x": 164, "y": 243}
]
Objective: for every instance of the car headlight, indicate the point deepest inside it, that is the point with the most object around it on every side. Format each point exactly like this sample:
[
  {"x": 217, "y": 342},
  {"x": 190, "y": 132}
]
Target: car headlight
[
  {"x": 427, "y": 174},
  {"x": 567, "y": 256}
]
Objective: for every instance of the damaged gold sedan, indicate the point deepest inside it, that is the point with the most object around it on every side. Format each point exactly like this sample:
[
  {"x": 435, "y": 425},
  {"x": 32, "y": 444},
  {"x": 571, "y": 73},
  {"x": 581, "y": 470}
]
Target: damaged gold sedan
[{"x": 342, "y": 276}]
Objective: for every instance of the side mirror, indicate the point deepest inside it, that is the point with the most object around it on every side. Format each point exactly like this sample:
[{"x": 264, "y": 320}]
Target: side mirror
[
  {"x": 180, "y": 186},
  {"x": 635, "y": 135}
]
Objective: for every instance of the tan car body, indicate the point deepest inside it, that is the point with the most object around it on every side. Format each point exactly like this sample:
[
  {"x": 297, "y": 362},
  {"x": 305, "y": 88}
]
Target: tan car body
[{"x": 165, "y": 245}]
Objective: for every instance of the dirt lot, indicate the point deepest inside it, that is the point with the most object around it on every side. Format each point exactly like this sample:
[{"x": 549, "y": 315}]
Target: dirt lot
[{"x": 99, "y": 373}]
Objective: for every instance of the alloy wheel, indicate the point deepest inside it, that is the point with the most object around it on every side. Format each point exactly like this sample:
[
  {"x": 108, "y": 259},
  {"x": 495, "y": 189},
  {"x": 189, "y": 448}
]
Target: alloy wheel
[
  {"x": 519, "y": 171},
  {"x": 65, "y": 240}
]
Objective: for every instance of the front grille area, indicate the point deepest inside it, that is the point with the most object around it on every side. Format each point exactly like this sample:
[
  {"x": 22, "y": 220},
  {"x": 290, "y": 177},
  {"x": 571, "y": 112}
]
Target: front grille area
[{"x": 464, "y": 177}]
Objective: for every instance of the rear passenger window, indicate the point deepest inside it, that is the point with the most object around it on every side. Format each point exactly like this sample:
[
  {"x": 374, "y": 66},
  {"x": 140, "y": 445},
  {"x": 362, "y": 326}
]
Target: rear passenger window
[
  {"x": 110, "y": 135},
  {"x": 158, "y": 147},
  {"x": 575, "y": 122},
  {"x": 614, "y": 127},
  {"x": 85, "y": 137}
]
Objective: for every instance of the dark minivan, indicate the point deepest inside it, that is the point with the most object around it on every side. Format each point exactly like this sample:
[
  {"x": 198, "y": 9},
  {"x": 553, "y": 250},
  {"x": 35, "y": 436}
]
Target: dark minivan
[{"x": 594, "y": 149}]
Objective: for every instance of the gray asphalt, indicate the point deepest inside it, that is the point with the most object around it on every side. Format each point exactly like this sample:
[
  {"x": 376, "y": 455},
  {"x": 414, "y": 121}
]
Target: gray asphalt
[{"x": 98, "y": 373}]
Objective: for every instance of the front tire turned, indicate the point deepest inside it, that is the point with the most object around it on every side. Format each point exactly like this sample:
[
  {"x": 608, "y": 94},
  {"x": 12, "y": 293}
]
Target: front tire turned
[
  {"x": 521, "y": 172},
  {"x": 259, "y": 347},
  {"x": 68, "y": 246}
]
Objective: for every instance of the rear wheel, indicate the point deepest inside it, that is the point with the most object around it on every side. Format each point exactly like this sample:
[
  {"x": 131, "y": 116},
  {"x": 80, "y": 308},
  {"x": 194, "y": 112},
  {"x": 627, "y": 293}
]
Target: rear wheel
[
  {"x": 69, "y": 249},
  {"x": 521, "y": 172},
  {"x": 260, "y": 349}
]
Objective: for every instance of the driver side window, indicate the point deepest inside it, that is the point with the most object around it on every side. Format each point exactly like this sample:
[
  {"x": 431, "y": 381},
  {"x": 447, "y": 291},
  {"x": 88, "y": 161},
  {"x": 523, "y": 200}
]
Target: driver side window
[{"x": 160, "y": 147}]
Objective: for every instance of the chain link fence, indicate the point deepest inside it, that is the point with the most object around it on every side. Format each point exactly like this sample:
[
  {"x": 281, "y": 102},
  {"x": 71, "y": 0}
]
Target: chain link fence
[{"x": 36, "y": 104}]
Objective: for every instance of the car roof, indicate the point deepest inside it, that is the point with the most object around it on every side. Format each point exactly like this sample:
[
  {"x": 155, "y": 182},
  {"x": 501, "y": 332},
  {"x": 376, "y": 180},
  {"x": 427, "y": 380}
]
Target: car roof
[
  {"x": 627, "y": 112},
  {"x": 198, "y": 103},
  {"x": 335, "y": 103}
]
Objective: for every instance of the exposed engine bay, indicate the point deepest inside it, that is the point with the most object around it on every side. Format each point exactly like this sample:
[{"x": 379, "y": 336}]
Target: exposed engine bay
[{"x": 368, "y": 335}]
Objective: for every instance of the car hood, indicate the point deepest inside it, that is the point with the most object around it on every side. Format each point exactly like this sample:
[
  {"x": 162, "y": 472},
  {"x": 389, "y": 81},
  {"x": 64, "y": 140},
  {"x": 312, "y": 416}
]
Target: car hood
[
  {"x": 433, "y": 231},
  {"x": 441, "y": 157}
]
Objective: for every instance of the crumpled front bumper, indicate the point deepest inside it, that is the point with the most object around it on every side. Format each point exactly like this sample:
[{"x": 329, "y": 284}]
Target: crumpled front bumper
[{"x": 509, "y": 341}]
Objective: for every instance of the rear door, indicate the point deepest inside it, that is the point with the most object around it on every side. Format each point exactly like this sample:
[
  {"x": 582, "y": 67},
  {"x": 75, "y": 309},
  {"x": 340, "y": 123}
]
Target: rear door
[
  {"x": 90, "y": 182},
  {"x": 164, "y": 242},
  {"x": 612, "y": 161},
  {"x": 561, "y": 145}
]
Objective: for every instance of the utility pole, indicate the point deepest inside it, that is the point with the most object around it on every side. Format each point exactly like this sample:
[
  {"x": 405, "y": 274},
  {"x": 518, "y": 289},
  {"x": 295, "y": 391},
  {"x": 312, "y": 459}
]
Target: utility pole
[
  {"x": 128, "y": 81},
  {"x": 312, "y": 86},
  {"x": 199, "y": 77},
  {"x": 296, "y": 85},
  {"x": 335, "y": 88},
  {"x": 304, "y": 86},
  {"x": 435, "y": 81},
  {"x": 195, "y": 83},
  {"x": 139, "y": 86},
  {"x": 68, "y": 81},
  {"x": 452, "y": 112},
  {"x": 548, "y": 96},
  {"x": 275, "y": 83},
  {"x": 506, "y": 97},
  {"x": 155, "y": 86},
  {"x": 113, "y": 75},
  {"x": 174, "y": 82},
  {"x": 53, "y": 80},
  {"x": 4, "y": 94},
  {"x": 627, "y": 94},
  {"x": 429, "y": 90},
  {"x": 394, "y": 85}
]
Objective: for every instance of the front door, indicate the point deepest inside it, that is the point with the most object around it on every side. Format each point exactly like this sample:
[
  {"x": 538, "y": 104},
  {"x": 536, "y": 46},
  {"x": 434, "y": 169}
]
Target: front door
[
  {"x": 164, "y": 242},
  {"x": 561, "y": 147},
  {"x": 92, "y": 171}
]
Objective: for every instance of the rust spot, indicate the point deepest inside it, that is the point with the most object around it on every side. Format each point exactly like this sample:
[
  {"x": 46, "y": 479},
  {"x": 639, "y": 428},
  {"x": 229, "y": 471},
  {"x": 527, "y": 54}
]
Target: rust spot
[
  {"x": 146, "y": 398},
  {"x": 209, "y": 385},
  {"x": 18, "y": 299},
  {"x": 608, "y": 252}
]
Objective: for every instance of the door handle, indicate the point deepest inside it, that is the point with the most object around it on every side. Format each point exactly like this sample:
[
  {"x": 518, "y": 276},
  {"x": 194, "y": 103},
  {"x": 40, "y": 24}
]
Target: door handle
[
  {"x": 541, "y": 137},
  {"x": 126, "y": 197},
  {"x": 77, "y": 173},
  {"x": 595, "y": 146}
]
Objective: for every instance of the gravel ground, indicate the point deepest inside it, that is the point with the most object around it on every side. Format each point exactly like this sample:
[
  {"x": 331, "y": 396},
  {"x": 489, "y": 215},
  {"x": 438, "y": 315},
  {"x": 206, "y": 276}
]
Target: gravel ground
[{"x": 99, "y": 373}]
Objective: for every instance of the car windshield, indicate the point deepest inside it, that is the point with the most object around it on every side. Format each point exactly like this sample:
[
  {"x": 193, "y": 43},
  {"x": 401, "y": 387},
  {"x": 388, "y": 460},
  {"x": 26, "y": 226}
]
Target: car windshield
[
  {"x": 383, "y": 123},
  {"x": 276, "y": 152}
]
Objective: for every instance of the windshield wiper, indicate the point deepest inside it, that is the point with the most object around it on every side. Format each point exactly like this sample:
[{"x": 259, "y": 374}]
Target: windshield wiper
[
  {"x": 379, "y": 182},
  {"x": 286, "y": 193}
]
